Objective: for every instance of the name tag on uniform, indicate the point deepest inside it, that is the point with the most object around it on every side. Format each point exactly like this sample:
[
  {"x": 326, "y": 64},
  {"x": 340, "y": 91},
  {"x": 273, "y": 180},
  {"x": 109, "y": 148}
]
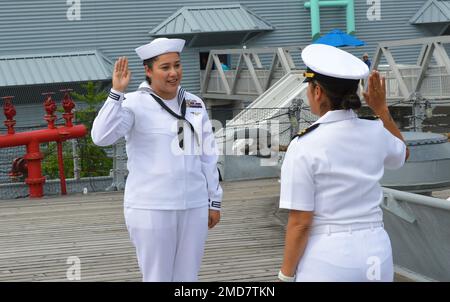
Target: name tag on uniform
[{"x": 193, "y": 104}]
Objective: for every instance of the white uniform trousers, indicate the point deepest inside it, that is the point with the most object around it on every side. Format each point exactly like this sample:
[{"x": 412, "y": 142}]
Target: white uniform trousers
[
  {"x": 169, "y": 243},
  {"x": 363, "y": 255}
]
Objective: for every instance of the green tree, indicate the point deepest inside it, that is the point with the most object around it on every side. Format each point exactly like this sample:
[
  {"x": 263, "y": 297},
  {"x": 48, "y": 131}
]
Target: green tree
[
  {"x": 93, "y": 159},
  {"x": 93, "y": 97}
]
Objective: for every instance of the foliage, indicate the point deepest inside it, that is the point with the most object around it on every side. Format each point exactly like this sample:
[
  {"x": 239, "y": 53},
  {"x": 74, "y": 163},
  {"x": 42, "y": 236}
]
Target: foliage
[{"x": 92, "y": 98}]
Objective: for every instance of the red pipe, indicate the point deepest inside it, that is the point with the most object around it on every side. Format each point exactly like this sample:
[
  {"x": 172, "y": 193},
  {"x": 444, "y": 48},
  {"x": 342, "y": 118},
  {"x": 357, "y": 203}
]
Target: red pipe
[
  {"x": 32, "y": 139},
  {"x": 35, "y": 180},
  {"x": 42, "y": 136}
]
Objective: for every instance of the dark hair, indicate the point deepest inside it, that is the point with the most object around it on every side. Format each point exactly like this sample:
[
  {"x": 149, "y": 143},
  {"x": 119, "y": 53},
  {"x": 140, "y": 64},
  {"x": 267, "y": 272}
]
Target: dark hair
[
  {"x": 343, "y": 96},
  {"x": 149, "y": 63},
  {"x": 351, "y": 101}
]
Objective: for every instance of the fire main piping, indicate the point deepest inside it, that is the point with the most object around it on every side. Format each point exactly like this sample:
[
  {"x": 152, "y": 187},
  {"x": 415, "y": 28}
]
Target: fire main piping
[{"x": 32, "y": 139}]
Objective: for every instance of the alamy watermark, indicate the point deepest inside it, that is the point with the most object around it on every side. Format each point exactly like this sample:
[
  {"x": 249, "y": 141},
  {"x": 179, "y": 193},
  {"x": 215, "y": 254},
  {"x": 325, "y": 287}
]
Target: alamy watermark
[
  {"x": 74, "y": 11},
  {"x": 373, "y": 273},
  {"x": 257, "y": 139},
  {"x": 374, "y": 11},
  {"x": 73, "y": 273}
]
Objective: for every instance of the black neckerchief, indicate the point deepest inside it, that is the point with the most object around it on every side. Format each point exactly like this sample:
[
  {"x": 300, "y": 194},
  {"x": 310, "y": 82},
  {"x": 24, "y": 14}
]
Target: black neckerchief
[{"x": 181, "y": 117}]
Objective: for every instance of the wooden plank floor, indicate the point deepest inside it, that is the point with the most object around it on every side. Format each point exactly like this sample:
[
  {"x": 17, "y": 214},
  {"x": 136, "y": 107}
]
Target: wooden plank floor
[{"x": 38, "y": 236}]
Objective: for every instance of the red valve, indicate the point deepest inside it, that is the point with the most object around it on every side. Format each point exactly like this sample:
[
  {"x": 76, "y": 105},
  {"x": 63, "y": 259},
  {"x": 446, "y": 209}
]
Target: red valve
[
  {"x": 50, "y": 108},
  {"x": 68, "y": 105},
  {"x": 19, "y": 168},
  {"x": 10, "y": 112}
]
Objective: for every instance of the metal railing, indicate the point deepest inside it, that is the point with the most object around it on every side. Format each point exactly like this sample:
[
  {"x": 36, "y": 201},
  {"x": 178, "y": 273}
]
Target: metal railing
[
  {"x": 423, "y": 78},
  {"x": 418, "y": 227},
  {"x": 252, "y": 72}
]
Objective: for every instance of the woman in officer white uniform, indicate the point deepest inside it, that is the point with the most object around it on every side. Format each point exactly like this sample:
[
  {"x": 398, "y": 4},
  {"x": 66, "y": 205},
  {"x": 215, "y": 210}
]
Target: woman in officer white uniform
[
  {"x": 172, "y": 193},
  {"x": 330, "y": 174}
]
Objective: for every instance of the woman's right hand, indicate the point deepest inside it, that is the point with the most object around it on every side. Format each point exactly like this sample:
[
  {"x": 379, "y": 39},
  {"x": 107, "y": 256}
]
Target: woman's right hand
[
  {"x": 376, "y": 93},
  {"x": 121, "y": 75}
]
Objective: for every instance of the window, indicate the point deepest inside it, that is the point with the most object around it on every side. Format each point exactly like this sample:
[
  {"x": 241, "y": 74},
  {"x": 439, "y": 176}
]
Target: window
[{"x": 225, "y": 59}]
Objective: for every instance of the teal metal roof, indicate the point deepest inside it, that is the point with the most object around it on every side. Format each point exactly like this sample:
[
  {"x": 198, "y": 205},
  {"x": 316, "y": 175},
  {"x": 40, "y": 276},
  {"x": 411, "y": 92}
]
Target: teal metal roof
[
  {"x": 234, "y": 19},
  {"x": 34, "y": 69},
  {"x": 433, "y": 11}
]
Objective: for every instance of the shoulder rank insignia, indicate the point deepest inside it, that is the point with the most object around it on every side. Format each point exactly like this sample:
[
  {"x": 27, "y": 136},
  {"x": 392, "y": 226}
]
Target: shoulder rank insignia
[
  {"x": 369, "y": 117},
  {"x": 306, "y": 131},
  {"x": 193, "y": 104}
]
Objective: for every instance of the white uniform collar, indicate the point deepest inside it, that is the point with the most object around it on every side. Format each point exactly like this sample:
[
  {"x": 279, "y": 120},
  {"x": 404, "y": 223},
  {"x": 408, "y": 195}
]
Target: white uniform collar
[
  {"x": 181, "y": 92},
  {"x": 336, "y": 116}
]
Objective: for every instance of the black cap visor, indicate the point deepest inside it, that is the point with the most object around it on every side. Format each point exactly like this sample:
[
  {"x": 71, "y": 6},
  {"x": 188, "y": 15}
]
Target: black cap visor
[{"x": 332, "y": 83}]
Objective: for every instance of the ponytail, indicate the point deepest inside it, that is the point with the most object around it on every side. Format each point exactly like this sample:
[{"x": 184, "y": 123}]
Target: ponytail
[
  {"x": 351, "y": 101},
  {"x": 342, "y": 96}
]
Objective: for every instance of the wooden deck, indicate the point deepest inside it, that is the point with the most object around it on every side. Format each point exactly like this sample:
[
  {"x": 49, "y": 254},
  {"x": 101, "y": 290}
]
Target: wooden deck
[{"x": 38, "y": 236}]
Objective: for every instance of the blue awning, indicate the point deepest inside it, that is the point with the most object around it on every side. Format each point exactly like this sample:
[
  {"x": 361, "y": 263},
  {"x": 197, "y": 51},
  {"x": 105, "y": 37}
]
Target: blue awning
[{"x": 339, "y": 38}]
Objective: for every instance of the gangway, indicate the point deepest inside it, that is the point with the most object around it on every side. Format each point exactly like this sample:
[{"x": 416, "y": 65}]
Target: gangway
[
  {"x": 280, "y": 95},
  {"x": 272, "y": 106},
  {"x": 422, "y": 85},
  {"x": 426, "y": 77},
  {"x": 273, "y": 118},
  {"x": 252, "y": 72}
]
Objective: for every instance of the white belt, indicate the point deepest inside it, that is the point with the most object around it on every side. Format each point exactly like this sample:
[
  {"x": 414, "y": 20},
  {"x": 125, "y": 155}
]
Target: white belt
[{"x": 338, "y": 228}]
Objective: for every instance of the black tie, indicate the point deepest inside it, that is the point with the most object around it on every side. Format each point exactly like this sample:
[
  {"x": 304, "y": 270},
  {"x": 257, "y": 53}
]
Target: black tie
[{"x": 181, "y": 119}]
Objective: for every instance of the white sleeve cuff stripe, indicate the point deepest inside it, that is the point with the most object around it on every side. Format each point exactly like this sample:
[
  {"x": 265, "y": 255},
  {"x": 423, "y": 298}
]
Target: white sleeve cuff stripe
[
  {"x": 114, "y": 96},
  {"x": 215, "y": 204}
]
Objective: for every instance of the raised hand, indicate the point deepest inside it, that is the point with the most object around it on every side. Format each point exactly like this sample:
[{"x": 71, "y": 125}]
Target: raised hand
[
  {"x": 121, "y": 75},
  {"x": 376, "y": 93},
  {"x": 376, "y": 100}
]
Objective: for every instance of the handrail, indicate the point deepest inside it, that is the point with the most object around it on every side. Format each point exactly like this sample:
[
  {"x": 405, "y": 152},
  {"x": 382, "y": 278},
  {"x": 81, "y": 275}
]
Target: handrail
[{"x": 418, "y": 199}]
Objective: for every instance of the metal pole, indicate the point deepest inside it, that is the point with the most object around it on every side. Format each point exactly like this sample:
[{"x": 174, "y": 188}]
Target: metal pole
[
  {"x": 418, "y": 113},
  {"x": 350, "y": 17},
  {"x": 315, "y": 19},
  {"x": 76, "y": 160},
  {"x": 62, "y": 177}
]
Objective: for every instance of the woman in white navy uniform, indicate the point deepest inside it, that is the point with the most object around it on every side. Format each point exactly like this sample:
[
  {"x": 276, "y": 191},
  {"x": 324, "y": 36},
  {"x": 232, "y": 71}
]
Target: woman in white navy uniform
[
  {"x": 330, "y": 176},
  {"x": 172, "y": 192}
]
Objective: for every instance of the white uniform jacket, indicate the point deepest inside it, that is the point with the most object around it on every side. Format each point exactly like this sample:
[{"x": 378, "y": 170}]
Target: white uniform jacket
[
  {"x": 161, "y": 175},
  {"x": 335, "y": 169}
]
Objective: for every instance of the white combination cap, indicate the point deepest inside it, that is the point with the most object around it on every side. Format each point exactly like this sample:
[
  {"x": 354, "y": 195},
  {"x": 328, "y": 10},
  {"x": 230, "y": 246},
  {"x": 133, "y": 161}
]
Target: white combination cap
[
  {"x": 333, "y": 62},
  {"x": 158, "y": 47}
]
